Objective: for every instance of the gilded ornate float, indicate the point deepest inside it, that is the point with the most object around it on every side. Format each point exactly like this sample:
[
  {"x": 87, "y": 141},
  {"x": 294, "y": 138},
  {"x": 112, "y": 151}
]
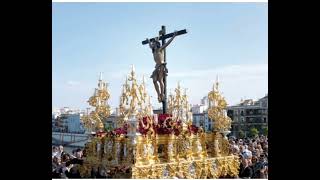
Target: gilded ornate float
[{"x": 147, "y": 145}]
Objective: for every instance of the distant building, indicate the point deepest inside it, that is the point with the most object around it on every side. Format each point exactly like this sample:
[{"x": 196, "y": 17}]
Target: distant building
[
  {"x": 249, "y": 114},
  {"x": 68, "y": 123},
  {"x": 197, "y": 109},
  {"x": 200, "y": 114},
  {"x": 205, "y": 101},
  {"x": 202, "y": 120},
  {"x": 64, "y": 110}
]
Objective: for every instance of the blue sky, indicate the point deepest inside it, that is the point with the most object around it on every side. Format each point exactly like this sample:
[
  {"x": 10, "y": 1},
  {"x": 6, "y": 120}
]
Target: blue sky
[{"x": 225, "y": 39}]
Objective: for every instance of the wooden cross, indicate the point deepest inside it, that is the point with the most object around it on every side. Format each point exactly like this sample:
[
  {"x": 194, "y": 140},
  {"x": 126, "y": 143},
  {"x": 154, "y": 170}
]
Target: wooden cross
[{"x": 163, "y": 37}]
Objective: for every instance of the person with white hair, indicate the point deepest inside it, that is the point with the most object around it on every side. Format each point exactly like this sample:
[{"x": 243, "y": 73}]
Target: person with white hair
[
  {"x": 245, "y": 169},
  {"x": 234, "y": 147},
  {"x": 247, "y": 151},
  {"x": 54, "y": 151},
  {"x": 61, "y": 152}
]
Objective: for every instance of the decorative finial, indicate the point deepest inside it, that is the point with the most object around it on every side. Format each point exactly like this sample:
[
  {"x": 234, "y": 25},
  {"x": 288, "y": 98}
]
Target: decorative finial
[
  {"x": 132, "y": 68},
  {"x": 100, "y": 78},
  {"x": 217, "y": 83},
  {"x": 143, "y": 80},
  {"x": 132, "y": 74},
  {"x": 149, "y": 103}
]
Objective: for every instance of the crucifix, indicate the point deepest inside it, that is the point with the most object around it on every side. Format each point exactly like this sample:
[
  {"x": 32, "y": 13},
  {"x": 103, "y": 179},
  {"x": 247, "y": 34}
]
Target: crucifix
[{"x": 159, "y": 75}]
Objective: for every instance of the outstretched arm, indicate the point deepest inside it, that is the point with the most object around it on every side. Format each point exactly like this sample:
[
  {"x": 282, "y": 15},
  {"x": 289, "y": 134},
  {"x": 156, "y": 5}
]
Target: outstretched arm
[
  {"x": 149, "y": 43},
  {"x": 170, "y": 40}
]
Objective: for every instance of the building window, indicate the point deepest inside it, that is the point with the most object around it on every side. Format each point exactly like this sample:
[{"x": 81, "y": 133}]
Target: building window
[{"x": 264, "y": 120}]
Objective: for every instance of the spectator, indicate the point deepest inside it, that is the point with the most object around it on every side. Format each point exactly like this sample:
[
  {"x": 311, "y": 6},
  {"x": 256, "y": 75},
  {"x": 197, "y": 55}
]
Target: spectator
[
  {"x": 245, "y": 169},
  {"x": 54, "y": 151},
  {"x": 61, "y": 151},
  {"x": 56, "y": 167},
  {"x": 261, "y": 168}
]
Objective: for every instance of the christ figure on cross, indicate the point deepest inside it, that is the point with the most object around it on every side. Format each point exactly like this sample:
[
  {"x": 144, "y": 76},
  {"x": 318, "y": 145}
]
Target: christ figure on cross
[{"x": 160, "y": 68}]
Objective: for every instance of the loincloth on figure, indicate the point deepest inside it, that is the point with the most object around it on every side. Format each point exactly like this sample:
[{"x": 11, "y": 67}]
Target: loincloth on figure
[{"x": 160, "y": 68}]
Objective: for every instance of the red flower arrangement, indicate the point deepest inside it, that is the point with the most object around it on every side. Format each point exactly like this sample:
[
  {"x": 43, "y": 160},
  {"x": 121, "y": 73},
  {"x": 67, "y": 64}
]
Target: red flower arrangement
[
  {"x": 110, "y": 134},
  {"x": 193, "y": 129},
  {"x": 143, "y": 130},
  {"x": 165, "y": 125},
  {"x": 121, "y": 130}
]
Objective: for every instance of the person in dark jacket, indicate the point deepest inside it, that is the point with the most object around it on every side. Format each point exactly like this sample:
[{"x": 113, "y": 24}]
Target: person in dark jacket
[{"x": 245, "y": 171}]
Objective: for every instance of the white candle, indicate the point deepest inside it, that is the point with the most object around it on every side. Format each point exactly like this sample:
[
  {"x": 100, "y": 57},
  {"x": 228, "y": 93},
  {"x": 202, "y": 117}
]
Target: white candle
[
  {"x": 190, "y": 116},
  {"x": 105, "y": 147},
  {"x": 125, "y": 150},
  {"x": 99, "y": 102},
  {"x": 98, "y": 147},
  {"x": 155, "y": 117},
  {"x": 151, "y": 150}
]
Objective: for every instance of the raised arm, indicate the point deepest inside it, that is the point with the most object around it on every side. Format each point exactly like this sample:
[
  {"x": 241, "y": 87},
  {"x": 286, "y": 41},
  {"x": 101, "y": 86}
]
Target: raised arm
[{"x": 170, "y": 40}]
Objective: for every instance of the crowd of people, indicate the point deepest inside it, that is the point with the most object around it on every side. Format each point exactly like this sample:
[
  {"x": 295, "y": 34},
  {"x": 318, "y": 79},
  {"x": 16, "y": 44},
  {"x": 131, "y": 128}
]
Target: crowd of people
[
  {"x": 253, "y": 153},
  {"x": 66, "y": 165}
]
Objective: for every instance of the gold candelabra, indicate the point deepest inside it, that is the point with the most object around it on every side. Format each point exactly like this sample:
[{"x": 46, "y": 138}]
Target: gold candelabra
[
  {"x": 99, "y": 100},
  {"x": 134, "y": 99},
  {"x": 217, "y": 111},
  {"x": 178, "y": 106}
]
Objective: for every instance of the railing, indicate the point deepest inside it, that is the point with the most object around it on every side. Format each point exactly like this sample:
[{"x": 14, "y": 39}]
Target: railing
[{"x": 68, "y": 138}]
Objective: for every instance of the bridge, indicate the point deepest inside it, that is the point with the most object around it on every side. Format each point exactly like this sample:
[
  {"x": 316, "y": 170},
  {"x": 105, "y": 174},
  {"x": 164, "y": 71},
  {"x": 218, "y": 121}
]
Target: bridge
[{"x": 69, "y": 139}]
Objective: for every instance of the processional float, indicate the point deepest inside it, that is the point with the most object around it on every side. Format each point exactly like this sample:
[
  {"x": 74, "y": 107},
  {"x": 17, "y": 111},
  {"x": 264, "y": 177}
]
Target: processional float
[{"x": 167, "y": 145}]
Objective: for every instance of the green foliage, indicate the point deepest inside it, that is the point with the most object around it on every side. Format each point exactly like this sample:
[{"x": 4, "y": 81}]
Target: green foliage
[
  {"x": 241, "y": 134},
  {"x": 265, "y": 131},
  {"x": 254, "y": 132}
]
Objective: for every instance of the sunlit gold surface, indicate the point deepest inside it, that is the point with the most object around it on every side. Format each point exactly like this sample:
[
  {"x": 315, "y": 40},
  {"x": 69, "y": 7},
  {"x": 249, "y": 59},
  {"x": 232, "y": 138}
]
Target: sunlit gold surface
[
  {"x": 134, "y": 100},
  {"x": 217, "y": 111},
  {"x": 187, "y": 155},
  {"x": 93, "y": 121}
]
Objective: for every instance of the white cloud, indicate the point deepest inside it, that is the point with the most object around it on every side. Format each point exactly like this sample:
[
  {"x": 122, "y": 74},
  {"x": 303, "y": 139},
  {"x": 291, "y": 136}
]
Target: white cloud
[
  {"x": 73, "y": 83},
  {"x": 236, "y": 82},
  {"x": 227, "y": 71}
]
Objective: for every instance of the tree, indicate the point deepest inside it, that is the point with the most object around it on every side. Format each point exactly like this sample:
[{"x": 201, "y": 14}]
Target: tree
[
  {"x": 265, "y": 131},
  {"x": 241, "y": 134},
  {"x": 254, "y": 132}
]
